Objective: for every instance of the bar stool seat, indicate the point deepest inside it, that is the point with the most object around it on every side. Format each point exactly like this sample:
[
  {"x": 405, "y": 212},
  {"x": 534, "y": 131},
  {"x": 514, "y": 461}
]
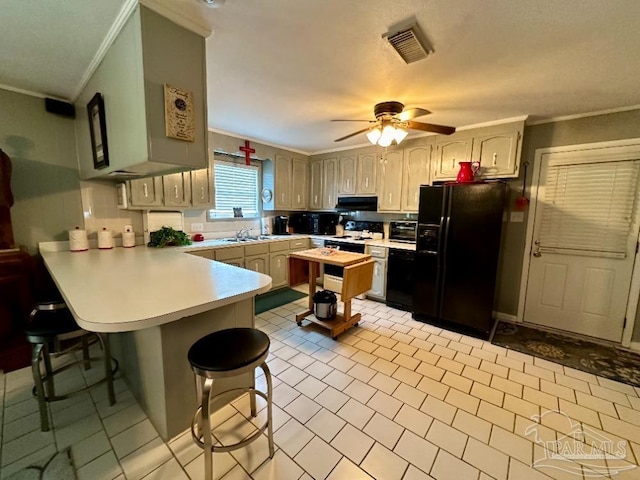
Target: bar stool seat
[
  {"x": 50, "y": 325},
  {"x": 224, "y": 354}
]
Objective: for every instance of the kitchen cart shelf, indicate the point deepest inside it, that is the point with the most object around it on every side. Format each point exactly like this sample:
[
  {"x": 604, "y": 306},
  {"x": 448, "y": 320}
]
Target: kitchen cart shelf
[{"x": 357, "y": 278}]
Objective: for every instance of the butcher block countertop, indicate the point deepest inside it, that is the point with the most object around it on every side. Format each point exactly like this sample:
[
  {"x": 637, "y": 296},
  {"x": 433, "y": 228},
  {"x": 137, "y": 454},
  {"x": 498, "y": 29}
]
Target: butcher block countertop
[
  {"x": 126, "y": 289},
  {"x": 336, "y": 257}
]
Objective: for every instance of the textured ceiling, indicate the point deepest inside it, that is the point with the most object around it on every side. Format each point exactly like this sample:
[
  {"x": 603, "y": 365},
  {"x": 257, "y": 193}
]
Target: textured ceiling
[{"x": 278, "y": 71}]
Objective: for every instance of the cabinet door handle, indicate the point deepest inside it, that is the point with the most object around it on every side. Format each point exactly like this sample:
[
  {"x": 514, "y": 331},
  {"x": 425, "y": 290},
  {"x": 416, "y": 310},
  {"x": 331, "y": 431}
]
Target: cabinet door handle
[
  {"x": 415, "y": 197},
  {"x": 175, "y": 191},
  {"x": 145, "y": 190},
  {"x": 453, "y": 163},
  {"x": 390, "y": 196},
  {"x": 201, "y": 193},
  {"x": 366, "y": 182},
  {"x": 348, "y": 184},
  {"x": 315, "y": 199},
  {"x": 282, "y": 197},
  {"x": 298, "y": 198},
  {"x": 376, "y": 270},
  {"x": 495, "y": 159}
]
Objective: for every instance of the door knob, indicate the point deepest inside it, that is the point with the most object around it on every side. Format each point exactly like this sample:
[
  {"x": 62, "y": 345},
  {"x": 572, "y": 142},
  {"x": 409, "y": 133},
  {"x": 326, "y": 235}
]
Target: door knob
[{"x": 537, "y": 254}]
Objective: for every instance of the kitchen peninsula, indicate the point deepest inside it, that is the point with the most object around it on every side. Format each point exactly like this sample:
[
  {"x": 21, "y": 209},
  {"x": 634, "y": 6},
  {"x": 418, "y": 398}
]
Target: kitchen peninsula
[{"x": 157, "y": 302}]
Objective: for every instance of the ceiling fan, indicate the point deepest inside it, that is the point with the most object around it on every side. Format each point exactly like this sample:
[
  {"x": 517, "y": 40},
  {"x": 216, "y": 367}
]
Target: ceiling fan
[{"x": 391, "y": 123}]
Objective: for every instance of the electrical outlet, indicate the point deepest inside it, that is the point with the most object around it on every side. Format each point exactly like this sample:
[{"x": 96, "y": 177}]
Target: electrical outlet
[{"x": 197, "y": 227}]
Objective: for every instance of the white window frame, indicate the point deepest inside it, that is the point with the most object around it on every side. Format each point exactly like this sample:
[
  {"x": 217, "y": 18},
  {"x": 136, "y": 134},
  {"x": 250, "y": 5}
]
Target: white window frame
[{"x": 215, "y": 214}]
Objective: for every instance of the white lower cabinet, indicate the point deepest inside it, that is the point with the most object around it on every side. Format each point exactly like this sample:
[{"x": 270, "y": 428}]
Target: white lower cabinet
[
  {"x": 257, "y": 263},
  {"x": 379, "y": 282},
  {"x": 279, "y": 269}
]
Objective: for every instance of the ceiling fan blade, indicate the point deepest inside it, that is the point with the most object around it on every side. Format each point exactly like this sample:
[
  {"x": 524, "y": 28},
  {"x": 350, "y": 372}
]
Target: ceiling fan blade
[
  {"x": 412, "y": 113},
  {"x": 351, "y": 135},
  {"x": 430, "y": 127},
  {"x": 343, "y": 120}
]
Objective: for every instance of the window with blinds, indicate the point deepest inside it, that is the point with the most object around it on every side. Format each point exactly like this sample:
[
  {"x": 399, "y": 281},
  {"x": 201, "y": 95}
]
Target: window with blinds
[
  {"x": 236, "y": 185},
  {"x": 589, "y": 208}
]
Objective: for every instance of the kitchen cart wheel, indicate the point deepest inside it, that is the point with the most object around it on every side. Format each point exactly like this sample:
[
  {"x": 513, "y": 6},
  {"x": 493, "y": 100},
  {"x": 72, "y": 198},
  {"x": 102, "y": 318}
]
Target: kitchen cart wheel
[
  {"x": 355, "y": 324},
  {"x": 334, "y": 338},
  {"x": 299, "y": 322}
]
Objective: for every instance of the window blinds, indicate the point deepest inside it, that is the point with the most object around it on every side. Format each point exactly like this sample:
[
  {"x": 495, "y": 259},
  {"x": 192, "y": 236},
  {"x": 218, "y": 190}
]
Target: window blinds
[
  {"x": 236, "y": 185},
  {"x": 589, "y": 208}
]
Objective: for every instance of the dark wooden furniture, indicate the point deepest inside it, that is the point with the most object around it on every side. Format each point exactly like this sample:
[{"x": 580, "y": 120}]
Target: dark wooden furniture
[{"x": 16, "y": 302}]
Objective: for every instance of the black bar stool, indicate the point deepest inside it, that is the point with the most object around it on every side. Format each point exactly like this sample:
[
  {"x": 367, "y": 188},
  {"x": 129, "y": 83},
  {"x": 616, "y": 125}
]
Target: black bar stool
[
  {"x": 223, "y": 354},
  {"x": 50, "y": 326}
]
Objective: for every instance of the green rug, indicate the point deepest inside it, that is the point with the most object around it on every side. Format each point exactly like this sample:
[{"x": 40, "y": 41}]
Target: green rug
[{"x": 277, "y": 298}]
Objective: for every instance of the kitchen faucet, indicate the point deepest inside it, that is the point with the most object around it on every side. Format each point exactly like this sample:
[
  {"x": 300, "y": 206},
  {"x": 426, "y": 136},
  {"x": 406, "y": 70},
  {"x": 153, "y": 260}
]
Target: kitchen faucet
[{"x": 243, "y": 232}]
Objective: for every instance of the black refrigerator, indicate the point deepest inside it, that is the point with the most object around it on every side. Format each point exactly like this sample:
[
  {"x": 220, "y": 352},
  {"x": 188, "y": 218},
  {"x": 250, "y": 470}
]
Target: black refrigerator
[{"x": 457, "y": 248}]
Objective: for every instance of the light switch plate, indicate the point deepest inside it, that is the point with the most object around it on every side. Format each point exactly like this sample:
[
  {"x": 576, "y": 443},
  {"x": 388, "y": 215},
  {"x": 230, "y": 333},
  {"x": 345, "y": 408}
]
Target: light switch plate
[
  {"x": 517, "y": 217},
  {"x": 197, "y": 227}
]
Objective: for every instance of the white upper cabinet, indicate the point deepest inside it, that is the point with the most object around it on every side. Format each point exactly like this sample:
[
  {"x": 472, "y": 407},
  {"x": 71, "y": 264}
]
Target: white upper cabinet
[
  {"x": 285, "y": 183},
  {"x": 176, "y": 190},
  {"x": 497, "y": 149},
  {"x": 417, "y": 162},
  {"x": 390, "y": 181},
  {"x": 330, "y": 184},
  {"x": 316, "y": 172},
  {"x": 497, "y": 154},
  {"x": 347, "y": 173},
  {"x": 145, "y": 192},
  {"x": 366, "y": 174},
  {"x": 149, "y": 52},
  {"x": 449, "y": 152},
  {"x": 299, "y": 175},
  {"x": 282, "y": 190},
  {"x": 202, "y": 188}
]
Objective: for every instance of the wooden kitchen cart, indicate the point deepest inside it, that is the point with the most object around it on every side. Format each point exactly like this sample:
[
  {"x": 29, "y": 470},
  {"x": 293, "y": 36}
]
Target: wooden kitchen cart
[{"x": 358, "y": 275}]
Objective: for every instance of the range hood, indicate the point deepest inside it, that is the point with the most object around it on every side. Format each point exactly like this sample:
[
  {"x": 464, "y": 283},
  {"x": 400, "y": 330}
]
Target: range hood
[{"x": 359, "y": 204}]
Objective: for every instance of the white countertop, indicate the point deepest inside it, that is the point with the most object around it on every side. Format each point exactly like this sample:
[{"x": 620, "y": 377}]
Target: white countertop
[{"x": 127, "y": 289}]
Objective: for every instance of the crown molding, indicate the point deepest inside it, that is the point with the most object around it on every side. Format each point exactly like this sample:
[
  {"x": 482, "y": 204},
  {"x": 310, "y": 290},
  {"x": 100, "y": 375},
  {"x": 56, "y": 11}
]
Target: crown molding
[
  {"x": 257, "y": 140},
  {"x": 584, "y": 115},
  {"x": 125, "y": 12},
  {"x": 195, "y": 25},
  {"x": 31, "y": 93}
]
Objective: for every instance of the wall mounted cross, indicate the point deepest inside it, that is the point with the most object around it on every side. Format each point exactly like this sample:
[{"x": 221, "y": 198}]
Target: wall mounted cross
[{"x": 247, "y": 151}]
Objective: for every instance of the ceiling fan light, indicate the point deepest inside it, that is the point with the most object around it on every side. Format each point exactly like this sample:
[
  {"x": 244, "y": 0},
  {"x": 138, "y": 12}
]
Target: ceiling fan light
[
  {"x": 388, "y": 135},
  {"x": 400, "y": 135},
  {"x": 373, "y": 135}
]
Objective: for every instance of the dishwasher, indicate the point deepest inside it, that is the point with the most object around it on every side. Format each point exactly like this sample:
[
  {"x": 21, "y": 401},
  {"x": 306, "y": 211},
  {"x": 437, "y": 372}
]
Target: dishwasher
[{"x": 400, "y": 279}]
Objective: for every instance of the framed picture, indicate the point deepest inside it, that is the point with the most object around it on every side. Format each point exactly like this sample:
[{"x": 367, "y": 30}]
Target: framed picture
[
  {"x": 98, "y": 129},
  {"x": 178, "y": 114}
]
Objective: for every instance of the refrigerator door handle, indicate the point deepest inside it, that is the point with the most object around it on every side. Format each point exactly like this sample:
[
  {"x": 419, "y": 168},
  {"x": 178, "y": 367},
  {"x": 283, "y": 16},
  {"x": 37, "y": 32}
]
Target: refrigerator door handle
[{"x": 442, "y": 264}]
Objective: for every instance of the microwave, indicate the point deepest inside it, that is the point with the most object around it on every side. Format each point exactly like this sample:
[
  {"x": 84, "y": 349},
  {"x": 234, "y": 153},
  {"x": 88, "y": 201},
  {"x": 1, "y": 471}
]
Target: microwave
[{"x": 403, "y": 231}]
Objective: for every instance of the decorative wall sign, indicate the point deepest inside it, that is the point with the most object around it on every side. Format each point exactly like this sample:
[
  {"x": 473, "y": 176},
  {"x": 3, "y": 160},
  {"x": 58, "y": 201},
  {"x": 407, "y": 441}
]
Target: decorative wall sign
[
  {"x": 178, "y": 114},
  {"x": 247, "y": 151},
  {"x": 98, "y": 129}
]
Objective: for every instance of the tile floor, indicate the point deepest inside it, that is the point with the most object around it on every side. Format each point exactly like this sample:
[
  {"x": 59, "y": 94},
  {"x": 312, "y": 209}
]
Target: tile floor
[{"x": 392, "y": 399}]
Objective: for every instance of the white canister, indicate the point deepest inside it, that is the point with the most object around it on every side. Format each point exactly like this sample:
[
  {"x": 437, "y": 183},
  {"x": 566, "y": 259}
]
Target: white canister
[
  {"x": 105, "y": 239},
  {"x": 128, "y": 237},
  {"x": 78, "y": 241}
]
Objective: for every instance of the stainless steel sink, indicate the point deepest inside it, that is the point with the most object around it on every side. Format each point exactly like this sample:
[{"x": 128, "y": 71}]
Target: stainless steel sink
[{"x": 246, "y": 239}]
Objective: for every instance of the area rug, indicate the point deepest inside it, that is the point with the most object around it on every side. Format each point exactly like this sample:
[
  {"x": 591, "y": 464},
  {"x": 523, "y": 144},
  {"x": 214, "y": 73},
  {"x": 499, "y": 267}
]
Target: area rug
[
  {"x": 609, "y": 362},
  {"x": 277, "y": 298},
  {"x": 57, "y": 467}
]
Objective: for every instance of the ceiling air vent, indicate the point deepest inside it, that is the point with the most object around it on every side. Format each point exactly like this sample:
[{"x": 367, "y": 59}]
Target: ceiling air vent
[{"x": 408, "y": 45}]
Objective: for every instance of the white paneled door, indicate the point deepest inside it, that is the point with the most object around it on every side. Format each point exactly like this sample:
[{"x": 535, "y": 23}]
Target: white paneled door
[{"x": 584, "y": 242}]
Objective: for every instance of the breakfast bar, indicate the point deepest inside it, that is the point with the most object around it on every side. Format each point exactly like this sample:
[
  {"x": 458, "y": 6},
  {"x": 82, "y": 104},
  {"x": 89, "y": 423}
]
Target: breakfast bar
[
  {"x": 157, "y": 302},
  {"x": 358, "y": 274}
]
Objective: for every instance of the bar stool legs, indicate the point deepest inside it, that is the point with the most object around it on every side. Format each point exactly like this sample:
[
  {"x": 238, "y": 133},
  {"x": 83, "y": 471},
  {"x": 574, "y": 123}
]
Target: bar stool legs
[{"x": 228, "y": 353}]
